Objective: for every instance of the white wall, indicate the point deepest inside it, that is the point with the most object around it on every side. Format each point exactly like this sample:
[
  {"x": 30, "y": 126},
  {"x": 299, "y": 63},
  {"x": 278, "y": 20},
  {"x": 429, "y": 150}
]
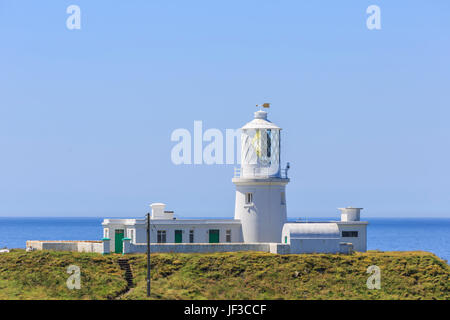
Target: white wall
[
  {"x": 264, "y": 219},
  {"x": 359, "y": 243},
  {"x": 75, "y": 246},
  {"x": 201, "y": 231},
  {"x": 314, "y": 245},
  {"x": 209, "y": 248}
]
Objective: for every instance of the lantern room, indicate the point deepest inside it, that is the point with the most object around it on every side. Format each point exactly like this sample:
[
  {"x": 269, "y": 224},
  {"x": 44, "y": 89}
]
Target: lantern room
[{"x": 260, "y": 143}]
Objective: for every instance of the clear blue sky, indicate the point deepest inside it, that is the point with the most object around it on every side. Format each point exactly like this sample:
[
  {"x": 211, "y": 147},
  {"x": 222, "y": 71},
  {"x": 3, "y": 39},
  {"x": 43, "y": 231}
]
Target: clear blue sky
[{"x": 86, "y": 115}]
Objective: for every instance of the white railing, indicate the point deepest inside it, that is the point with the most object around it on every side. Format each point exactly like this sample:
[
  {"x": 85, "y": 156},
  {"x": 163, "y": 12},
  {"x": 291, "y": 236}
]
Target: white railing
[{"x": 260, "y": 173}]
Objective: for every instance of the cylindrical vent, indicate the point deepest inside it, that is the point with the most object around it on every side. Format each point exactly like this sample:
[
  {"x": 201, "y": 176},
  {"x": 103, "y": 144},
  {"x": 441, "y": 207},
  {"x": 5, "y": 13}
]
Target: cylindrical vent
[
  {"x": 350, "y": 214},
  {"x": 261, "y": 115}
]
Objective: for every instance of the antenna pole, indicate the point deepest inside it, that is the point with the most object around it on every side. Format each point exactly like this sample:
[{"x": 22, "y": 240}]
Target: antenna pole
[{"x": 148, "y": 254}]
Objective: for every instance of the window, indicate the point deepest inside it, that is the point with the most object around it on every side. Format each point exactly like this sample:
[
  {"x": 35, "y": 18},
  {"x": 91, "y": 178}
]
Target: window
[
  {"x": 285, "y": 239},
  {"x": 191, "y": 236},
  {"x": 161, "y": 236},
  {"x": 283, "y": 198},
  {"x": 248, "y": 198},
  {"x": 228, "y": 236},
  {"x": 352, "y": 234},
  {"x": 130, "y": 234},
  {"x": 106, "y": 233}
]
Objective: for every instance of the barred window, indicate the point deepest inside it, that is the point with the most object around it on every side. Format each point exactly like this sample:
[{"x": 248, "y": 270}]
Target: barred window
[
  {"x": 350, "y": 234},
  {"x": 161, "y": 236},
  {"x": 228, "y": 236}
]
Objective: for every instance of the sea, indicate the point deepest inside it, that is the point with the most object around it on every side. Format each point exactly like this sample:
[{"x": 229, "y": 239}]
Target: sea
[{"x": 385, "y": 234}]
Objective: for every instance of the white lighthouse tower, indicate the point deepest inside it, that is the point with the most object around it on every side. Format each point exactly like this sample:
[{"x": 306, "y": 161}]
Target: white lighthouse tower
[{"x": 260, "y": 182}]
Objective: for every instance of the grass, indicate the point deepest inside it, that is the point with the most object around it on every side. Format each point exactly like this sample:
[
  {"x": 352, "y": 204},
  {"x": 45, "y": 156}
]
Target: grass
[
  {"x": 240, "y": 275},
  {"x": 43, "y": 275}
]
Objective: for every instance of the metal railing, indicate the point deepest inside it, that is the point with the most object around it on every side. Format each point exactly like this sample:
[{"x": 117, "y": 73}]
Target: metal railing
[{"x": 260, "y": 173}]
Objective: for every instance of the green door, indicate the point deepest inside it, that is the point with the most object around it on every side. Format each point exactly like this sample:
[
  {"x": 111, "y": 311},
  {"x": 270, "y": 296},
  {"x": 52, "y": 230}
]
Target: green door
[
  {"x": 118, "y": 240},
  {"x": 213, "y": 236},
  {"x": 178, "y": 236}
]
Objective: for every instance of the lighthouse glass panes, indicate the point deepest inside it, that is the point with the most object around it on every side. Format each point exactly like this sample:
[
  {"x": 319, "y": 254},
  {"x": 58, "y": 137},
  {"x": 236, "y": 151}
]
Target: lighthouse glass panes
[{"x": 260, "y": 152}]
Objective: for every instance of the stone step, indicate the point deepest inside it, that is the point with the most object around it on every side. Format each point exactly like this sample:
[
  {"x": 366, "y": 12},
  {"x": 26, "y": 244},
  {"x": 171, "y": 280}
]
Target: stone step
[{"x": 125, "y": 266}]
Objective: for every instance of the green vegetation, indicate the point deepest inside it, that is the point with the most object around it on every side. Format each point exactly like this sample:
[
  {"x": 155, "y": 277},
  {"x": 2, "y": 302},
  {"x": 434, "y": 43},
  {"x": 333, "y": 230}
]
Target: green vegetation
[
  {"x": 43, "y": 275},
  {"x": 241, "y": 275}
]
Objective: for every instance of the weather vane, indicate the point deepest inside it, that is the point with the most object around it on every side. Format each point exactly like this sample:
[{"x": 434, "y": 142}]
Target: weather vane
[{"x": 264, "y": 105}]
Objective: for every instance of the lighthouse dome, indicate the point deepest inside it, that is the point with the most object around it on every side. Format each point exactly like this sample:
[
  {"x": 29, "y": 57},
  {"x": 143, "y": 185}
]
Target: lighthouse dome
[{"x": 260, "y": 122}]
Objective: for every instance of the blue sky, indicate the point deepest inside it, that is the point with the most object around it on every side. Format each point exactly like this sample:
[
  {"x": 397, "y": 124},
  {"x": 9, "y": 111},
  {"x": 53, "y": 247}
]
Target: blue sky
[{"x": 86, "y": 115}]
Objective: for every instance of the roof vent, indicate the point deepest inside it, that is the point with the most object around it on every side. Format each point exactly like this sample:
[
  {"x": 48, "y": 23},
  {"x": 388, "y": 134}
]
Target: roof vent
[{"x": 261, "y": 115}]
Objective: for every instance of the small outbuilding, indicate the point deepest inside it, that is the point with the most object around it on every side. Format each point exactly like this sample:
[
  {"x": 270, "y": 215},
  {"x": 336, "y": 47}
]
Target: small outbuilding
[{"x": 317, "y": 237}]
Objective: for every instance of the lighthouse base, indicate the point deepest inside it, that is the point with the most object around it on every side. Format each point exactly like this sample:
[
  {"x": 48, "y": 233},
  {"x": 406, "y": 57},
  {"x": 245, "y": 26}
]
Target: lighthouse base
[{"x": 261, "y": 207}]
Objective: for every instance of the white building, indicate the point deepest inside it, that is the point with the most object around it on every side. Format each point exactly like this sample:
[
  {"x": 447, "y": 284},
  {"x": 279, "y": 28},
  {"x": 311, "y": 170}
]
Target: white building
[
  {"x": 323, "y": 237},
  {"x": 260, "y": 217},
  {"x": 167, "y": 229}
]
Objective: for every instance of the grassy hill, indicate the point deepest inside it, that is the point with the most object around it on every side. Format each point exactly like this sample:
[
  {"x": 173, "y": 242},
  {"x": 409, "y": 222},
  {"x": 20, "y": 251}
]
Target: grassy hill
[
  {"x": 43, "y": 275},
  {"x": 242, "y": 275}
]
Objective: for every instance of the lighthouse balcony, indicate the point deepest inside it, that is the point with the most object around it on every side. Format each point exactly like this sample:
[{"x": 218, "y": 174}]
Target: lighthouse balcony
[{"x": 262, "y": 173}]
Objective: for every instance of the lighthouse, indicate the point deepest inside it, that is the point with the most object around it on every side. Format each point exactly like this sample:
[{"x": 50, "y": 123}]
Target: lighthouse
[
  {"x": 260, "y": 182},
  {"x": 260, "y": 217}
]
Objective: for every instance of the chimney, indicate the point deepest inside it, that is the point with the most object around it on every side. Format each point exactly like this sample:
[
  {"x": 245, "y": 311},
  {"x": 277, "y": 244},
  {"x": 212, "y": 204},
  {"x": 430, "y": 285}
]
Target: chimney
[{"x": 350, "y": 214}]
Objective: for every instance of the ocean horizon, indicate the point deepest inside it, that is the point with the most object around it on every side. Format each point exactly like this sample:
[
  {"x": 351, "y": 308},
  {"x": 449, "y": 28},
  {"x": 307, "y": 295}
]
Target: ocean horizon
[{"x": 384, "y": 234}]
